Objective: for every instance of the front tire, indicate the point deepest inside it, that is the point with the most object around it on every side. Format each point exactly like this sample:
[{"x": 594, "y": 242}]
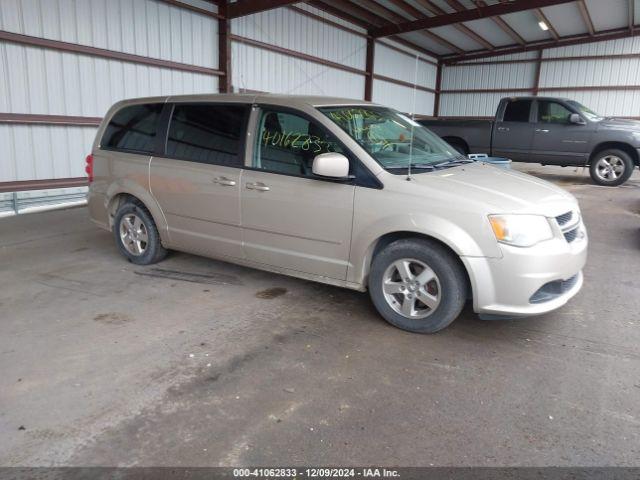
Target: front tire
[
  {"x": 611, "y": 167},
  {"x": 417, "y": 285},
  {"x": 136, "y": 234}
]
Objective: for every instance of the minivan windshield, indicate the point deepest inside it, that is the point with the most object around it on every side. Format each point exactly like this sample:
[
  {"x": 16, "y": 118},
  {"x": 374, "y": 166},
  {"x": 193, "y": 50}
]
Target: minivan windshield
[
  {"x": 394, "y": 140},
  {"x": 586, "y": 112}
]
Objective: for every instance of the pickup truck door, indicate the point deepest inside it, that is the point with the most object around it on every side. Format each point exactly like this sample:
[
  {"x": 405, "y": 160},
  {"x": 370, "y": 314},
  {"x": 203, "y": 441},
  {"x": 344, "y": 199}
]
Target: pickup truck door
[
  {"x": 557, "y": 141},
  {"x": 513, "y": 131}
]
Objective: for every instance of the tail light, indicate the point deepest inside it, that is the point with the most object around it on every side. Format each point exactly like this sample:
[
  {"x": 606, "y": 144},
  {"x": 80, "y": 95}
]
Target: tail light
[{"x": 89, "y": 167}]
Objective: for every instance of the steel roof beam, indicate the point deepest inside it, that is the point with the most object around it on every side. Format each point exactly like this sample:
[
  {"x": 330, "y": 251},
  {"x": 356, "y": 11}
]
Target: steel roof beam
[
  {"x": 392, "y": 17},
  {"x": 543, "y": 18},
  {"x": 504, "y": 26},
  {"x": 563, "y": 41},
  {"x": 465, "y": 16},
  {"x": 461, "y": 28},
  {"x": 353, "y": 14},
  {"x": 248, "y": 7},
  {"x": 584, "y": 11}
]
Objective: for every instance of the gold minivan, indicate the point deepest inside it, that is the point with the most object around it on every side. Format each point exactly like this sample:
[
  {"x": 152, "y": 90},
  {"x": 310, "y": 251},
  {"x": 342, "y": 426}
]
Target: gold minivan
[{"x": 338, "y": 191}]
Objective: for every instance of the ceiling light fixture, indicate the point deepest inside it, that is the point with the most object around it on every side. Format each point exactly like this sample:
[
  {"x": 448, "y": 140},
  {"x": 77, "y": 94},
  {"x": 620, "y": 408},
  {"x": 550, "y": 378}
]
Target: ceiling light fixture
[{"x": 543, "y": 25}]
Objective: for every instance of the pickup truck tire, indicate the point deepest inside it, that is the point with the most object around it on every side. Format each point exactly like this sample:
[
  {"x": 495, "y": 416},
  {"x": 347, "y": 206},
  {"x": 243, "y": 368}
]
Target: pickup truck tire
[
  {"x": 611, "y": 167},
  {"x": 136, "y": 234},
  {"x": 417, "y": 285}
]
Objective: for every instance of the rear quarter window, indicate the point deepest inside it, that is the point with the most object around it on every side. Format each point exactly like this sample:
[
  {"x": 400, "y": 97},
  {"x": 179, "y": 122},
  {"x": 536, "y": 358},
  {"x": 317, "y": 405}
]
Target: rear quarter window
[
  {"x": 133, "y": 129},
  {"x": 517, "y": 111}
]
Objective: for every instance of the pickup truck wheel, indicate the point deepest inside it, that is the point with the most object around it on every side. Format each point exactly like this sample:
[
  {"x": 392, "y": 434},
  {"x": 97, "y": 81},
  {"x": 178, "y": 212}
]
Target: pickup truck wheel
[
  {"x": 417, "y": 285},
  {"x": 611, "y": 167},
  {"x": 136, "y": 235}
]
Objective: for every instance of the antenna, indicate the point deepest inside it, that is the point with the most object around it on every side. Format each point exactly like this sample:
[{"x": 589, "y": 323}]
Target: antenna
[{"x": 413, "y": 116}]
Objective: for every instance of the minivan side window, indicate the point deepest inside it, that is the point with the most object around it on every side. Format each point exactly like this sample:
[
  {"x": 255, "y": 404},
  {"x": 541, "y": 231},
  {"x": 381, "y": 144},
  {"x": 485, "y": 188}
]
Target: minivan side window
[
  {"x": 207, "y": 133},
  {"x": 517, "y": 111},
  {"x": 133, "y": 129},
  {"x": 287, "y": 143},
  {"x": 552, "y": 112}
]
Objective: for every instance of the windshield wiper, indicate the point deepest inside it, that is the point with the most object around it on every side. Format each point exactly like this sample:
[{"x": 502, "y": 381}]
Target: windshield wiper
[
  {"x": 453, "y": 162},
  {"x": 421, "y": 166}
]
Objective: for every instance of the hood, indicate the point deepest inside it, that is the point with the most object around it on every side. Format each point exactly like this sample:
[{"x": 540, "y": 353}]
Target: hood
[
  {"x": 620, "y": 124},
  {"x": 496, "y": 190}
]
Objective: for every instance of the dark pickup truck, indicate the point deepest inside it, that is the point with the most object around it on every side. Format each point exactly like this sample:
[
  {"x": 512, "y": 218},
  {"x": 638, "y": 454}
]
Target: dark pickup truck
[{"x": 550, "y": 131}]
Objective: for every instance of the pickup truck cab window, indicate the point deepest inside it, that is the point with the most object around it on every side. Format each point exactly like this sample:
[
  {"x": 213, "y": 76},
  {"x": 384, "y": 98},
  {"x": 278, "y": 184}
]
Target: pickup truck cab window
[
  {"x": 517, "y": 111},
  {"x": 553, "y": 112},
  {"x": 392, "y": 139}
]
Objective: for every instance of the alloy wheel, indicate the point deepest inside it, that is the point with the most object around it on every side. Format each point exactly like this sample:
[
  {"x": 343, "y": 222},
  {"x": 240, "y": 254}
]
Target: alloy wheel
[
  {"x": 411, "y": 288},
  {"x": 609, "y": 168},
  {"x": 133, "y": 234}
]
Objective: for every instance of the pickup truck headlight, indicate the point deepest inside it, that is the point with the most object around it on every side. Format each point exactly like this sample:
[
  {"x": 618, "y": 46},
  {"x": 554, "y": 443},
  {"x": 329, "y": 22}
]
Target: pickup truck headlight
[{"x": 520, "y": 230}]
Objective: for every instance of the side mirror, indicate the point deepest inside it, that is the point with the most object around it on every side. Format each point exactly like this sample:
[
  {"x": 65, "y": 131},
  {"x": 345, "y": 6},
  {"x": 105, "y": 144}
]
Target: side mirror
[
  {"x": 576, "y": 119},
  {"x": 334, "y": 165}
]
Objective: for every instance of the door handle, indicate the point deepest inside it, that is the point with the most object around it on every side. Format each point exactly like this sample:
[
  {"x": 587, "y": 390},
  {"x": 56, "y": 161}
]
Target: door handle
[
  {"x": 261, "y": 187},
  {"x": 503, "y": 129},
  {"x": 542, "y": 130},
  {"x": 224, "y": 181}
]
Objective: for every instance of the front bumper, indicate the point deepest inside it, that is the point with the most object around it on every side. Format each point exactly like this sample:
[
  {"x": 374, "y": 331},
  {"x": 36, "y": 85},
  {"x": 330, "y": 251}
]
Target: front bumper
[{"x": 511, "y": 285}]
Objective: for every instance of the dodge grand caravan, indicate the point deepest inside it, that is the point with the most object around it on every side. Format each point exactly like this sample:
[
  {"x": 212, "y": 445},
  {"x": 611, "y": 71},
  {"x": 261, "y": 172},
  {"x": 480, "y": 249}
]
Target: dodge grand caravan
[{"x": 338, "y": 191}]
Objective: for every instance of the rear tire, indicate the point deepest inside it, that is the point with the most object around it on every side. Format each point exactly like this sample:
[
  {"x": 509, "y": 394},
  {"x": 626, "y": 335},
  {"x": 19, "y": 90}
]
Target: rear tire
[
  {"x": 136, "y": 234},
  {"x": 417, "y": 285},
  {"x": 611, "y": 167}
]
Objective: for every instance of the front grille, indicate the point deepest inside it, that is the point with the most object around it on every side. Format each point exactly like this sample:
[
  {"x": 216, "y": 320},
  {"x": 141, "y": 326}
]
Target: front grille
[
  {"x": 571, "y": 235},
  {"x": 569, "y": 224},
  {"x": 564, "y": 218},
  {"x": 554, "y": 289}
]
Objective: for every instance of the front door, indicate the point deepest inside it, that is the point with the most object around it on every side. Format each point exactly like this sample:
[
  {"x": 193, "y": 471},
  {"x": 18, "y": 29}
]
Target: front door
[
  {"x": 556, "y": 140},
  {"x": 197, "y": 183},
  {"x": 291, "y": 218},
  {"x": 513, "y": 131}
]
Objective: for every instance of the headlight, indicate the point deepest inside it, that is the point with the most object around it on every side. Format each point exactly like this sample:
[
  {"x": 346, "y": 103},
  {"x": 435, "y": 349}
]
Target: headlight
[{"x": 520, "y": 230}]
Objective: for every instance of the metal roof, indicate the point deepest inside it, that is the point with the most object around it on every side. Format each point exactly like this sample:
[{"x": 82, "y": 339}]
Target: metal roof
[{"x": 456, "y": 30}]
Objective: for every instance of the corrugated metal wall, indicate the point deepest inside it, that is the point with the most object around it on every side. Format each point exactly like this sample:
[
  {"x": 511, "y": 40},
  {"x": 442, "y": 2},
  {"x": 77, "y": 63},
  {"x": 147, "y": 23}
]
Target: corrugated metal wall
[
  {"x": 597, "y": 72},
  {"x": 44, "y": 81},
  {"x": 258, "y": 69},
  {"x": 318, "y": 54},
  {"x": 568, "y": 76},
  {"x": 254, "y": 68},
  {"x": 391, "y": 63}
]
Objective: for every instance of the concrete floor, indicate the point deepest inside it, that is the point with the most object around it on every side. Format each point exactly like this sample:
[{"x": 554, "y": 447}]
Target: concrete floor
[{"x": 195, "y": 362}]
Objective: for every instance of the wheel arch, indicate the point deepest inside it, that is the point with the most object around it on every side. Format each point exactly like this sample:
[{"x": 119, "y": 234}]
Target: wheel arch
[
  {"x": 452, "y": 139},
  {"x": 625, "y": 147},
  {"x": 119, "y": 196},
  {"x": 381, "y": 242}
]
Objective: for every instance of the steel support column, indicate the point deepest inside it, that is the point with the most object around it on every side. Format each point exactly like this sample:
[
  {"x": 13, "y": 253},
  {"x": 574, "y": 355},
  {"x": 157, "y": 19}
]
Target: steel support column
[
  {"x": 369, "y": 65},
  {"x": 436, "y": 100},
  {"x": 224, "y": 49}
]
